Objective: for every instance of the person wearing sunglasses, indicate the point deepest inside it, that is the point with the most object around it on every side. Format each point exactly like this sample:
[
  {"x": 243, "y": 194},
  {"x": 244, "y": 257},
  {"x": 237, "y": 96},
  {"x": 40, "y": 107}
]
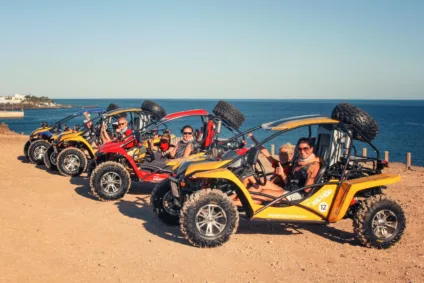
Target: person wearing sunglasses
[
  {"x": 122, "y": 129},
  {"x": 185, "y": 146},
  {"x": 305, "y": 169}
]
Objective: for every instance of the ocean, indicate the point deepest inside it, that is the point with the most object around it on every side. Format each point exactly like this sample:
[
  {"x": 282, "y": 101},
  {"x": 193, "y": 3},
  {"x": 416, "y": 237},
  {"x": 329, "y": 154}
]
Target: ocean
[{"x": 401, "y": 121}]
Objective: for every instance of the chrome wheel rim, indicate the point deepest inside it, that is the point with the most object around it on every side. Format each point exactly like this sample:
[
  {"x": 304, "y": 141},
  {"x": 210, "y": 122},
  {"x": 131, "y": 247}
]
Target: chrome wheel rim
[
  {"x": 384, "y": 224},
  {"x": 168, "y": 204},
  {"x": 211, "y": 220},
  {"x": 71, "y": 162},
  {"x": 53, "y": 157},
  {"x": 111, "y": 182},
  {"x": 39, "y": 152}
]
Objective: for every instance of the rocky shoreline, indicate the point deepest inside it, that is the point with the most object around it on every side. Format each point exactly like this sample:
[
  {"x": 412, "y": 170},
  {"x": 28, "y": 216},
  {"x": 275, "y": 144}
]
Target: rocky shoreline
[{"x": 4, "y": 130}]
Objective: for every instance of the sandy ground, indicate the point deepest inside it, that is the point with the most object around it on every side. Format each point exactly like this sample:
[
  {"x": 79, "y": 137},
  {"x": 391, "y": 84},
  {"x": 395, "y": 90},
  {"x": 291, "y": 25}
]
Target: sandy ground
[{"x": 53, "y": 230}]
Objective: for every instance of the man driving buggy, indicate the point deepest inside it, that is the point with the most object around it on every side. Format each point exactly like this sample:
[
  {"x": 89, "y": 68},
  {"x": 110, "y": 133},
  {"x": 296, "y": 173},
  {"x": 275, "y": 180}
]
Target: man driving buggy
[{"x": 121, "y": 130}]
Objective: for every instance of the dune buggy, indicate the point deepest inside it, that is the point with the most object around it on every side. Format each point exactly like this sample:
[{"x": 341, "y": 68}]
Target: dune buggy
[
  {"x": 116, "y": 168},
  {"x": 41, "y": 138},
  {"x": 75, "y": 150},
  {"x": 347, "y": 185}
]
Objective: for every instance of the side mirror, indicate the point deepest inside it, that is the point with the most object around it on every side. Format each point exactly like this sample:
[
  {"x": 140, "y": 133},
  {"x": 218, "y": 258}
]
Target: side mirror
[{"x": 252, "y": 156}]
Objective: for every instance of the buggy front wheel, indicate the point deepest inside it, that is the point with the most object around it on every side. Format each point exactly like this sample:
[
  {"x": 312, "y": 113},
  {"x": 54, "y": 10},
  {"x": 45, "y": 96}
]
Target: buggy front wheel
[
  {"x": 36, "y": 151},
  {"x": 110, "y": 181},
  {"x": 71, "y": 162},
  {"x": 379, "y": 222},
  {"x": 208, "y": 218}
]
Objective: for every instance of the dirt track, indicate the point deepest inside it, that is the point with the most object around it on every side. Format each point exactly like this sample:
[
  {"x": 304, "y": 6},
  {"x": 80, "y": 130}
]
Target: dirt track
[{"x": 53, "y": 230}]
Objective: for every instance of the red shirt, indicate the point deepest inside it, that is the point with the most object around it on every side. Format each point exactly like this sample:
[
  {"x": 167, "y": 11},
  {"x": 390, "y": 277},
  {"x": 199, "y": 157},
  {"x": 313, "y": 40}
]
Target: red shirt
[{"x": 128, "y": 137}]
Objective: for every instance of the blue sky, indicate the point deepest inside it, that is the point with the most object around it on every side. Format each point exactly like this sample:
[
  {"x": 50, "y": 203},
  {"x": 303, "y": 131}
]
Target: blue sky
[{"x": 213, "y": 49}]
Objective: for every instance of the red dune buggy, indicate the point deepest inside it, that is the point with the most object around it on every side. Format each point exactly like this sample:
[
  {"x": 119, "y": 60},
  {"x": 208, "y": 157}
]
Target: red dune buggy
[{"x": 117, "y": 166}]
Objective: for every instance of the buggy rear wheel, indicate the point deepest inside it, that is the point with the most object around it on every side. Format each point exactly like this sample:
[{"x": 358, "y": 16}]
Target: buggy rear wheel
[
  {"x": 50, "y": 158},
  {"x": 71, "y": 162},
  {"x": 110, "y": 181},
  {"x": 36, "y": 151},
  {"x": 163, "y": 205},
  {"x": 208, "y": 218},
  {"x": 379, "y": 222}
]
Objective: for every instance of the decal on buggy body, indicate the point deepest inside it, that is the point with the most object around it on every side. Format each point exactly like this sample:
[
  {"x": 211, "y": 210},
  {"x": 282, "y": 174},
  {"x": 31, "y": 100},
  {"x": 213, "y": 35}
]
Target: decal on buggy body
[
  {"x": 320, "y": 197},
  {"x": 278, "y": 215},
  {"x": 323, "y": 206}
]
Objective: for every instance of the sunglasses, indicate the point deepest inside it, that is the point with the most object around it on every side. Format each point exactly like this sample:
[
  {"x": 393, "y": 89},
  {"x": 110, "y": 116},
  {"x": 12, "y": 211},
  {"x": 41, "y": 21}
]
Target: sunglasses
[
  {"x": 187, "y": 133},
  {"x": 164, "y": 140},
  {"x": 304, "y": 148},
  {"x": 121, "y": 124}
]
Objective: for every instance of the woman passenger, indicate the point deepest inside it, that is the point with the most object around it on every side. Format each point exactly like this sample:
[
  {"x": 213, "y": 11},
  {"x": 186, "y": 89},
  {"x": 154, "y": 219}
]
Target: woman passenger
[
  {"x": 305, "y": 169},
  {"x": 185, "y": 147}
]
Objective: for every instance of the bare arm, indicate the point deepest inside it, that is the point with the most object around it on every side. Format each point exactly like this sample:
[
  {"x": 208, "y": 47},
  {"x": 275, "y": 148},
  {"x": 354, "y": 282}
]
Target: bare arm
[
  {"x": 173, "y": 151},
  {"x": 188, "y": 150},
  {"x": 264, "y": 151},
  {"x": 105, "y": 136},
  {"x": 87, "y": 116},
  {"x": 312, "y": 173}
]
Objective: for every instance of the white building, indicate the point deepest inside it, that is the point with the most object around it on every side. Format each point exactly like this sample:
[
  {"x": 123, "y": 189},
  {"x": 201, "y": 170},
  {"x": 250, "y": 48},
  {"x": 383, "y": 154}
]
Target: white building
[{"x": 17, "y": 98}]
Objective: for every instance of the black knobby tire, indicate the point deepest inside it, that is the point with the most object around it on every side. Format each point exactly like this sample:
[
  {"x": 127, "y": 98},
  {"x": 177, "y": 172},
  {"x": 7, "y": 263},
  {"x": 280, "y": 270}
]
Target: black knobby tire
[
  {"x": 153, "y": 108},
  {"x": 36, "y": 151},
  {"x": 201, "y": 201},
  {"x": 111, "y": 107},
  {"x": 50, "y": 159},
  {"x": 229, "y": 114},
  {"x": 26, "y": 147},
  {"x": 114, "y": 170},
  {"x": 352, "y": 115},
  {"x": 368, "y": 211},
  {"x": 161, "y": 201},
  {"x": 71, "y": 157}
]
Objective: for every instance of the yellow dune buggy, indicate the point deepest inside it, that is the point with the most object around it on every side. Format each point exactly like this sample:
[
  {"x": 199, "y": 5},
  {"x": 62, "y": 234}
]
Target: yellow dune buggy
[
  {"x": 347, "y": 185},
  {"x": 41, "y": 138},
  {"x": 74, "y": 151}
]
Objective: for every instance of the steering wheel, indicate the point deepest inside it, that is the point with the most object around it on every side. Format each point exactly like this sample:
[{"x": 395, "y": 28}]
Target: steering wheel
[{"x": 259, "y": 173}]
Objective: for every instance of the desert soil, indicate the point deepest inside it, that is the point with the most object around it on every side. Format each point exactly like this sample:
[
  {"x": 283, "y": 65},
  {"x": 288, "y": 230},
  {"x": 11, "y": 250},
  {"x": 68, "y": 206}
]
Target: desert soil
[{"x": 53, "y": 230}]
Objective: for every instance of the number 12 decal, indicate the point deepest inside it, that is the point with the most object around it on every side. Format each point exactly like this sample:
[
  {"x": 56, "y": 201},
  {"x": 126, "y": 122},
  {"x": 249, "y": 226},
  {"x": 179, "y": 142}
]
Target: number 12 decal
[{"x": 323, "y": 206}]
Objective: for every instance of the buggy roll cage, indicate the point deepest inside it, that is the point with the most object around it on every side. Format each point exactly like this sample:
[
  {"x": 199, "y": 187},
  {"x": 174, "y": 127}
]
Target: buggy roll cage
[
  {"x": 143, "y": 133},
  {"x": 59, "y": 123},
  {"x": 279, "y": 199}
]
